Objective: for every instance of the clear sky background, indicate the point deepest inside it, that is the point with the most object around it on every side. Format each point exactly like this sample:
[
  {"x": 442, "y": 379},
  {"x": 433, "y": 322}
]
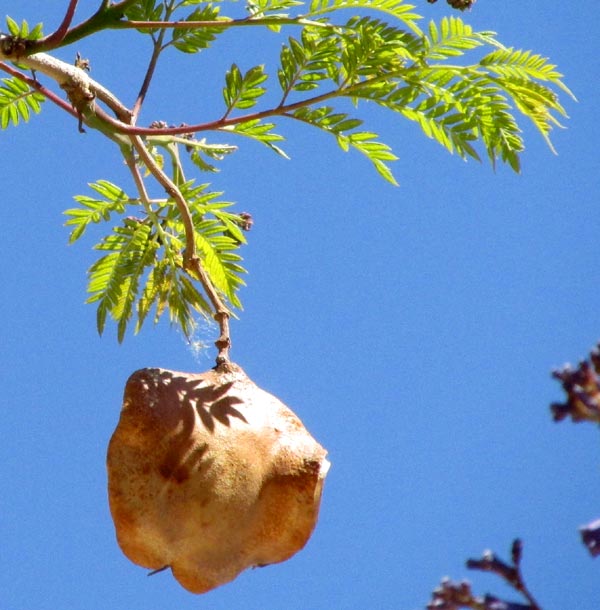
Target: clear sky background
[{"x": 413, "y": 329}]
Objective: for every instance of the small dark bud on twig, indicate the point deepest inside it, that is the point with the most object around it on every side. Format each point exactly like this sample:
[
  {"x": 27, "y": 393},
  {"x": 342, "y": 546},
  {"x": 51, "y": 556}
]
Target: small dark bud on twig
[
  {"x": 246, "y": 221},
  {"x": 582, "y": 386},
  {"x": 516, "y": 551},
  {"x": 460, "y": 5},
  {"x": 455, "y": 596},
  {"x": 590, "y": 536}
]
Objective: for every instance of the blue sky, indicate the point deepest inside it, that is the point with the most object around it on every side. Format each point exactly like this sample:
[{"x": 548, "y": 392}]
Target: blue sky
[{"x": 413, "y": 329}]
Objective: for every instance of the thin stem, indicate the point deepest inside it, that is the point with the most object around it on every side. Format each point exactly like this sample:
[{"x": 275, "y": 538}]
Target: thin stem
[
  {"x": 224, "y": 23},
  {"x": 156, "y": 51},
  {"x": 148, "y": 77},
  {"x": 105, "y": 17},
  {"x": 191, "y": 261},
  {"x": 221, "y": 123},
  {"x": 66, "y": 74},
  {"x": 110, "y": 16},
  {"x": 223, "y": 343},
  {"x": 226, "y": 121},
  {"x": 34, "y": 84},
  {"x": 172, "y": 190},
  {"x": 139, "y": 182},
  {"x": 522, "y": 587},
  {"x": 143, "y": 193},
  {"x": 54, "y": 39}
]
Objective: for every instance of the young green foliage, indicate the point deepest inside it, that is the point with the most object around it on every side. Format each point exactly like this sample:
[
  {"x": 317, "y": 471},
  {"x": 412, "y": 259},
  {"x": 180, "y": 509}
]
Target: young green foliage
[
  {"x": 396, "y": 9},
  {"x": 141, "y": 258},
  {"x": 462, "y": 87},
  {"x": 261, "y": 132},
  {"x": 342, "y": 126},
  {"x": 242, "y": 91},
  {"x": 22, "y": 31},
  {"x": 95, "y": 210},
  {"x": 17, "y": 102},
  {"x": 193, "y": 40}
]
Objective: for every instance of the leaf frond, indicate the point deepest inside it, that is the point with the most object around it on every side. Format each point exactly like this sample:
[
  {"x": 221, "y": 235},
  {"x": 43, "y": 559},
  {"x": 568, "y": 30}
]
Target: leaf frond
[
  {"x": 194, "y": 40},
  {"x": 398, "y": 9},
  {"x": 17, "y": 102},
  {"x": 93, "y": 210}
]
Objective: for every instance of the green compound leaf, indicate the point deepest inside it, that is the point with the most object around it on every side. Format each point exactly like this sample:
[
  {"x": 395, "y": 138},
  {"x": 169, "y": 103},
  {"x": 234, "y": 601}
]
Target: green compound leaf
[
  {"x": 522, "y": 64},
  {"x": 374, "y": 49},
  {"x": 377, "y": 152},
  {"x": 217, "y": 244},
  {"x": 168, "y": 287},
  {"x": 196, "y": 39},
  {"x": 17, "y": 102},
  {"x": 260, "y": 132},
  {"x": 114, "y": 279},
  {"x": 343, "y": 126},
  {"x": 522, "y": 75},
  {"x": 258, "y": 8},
  {"x": 307, "y": 61},
  {"x": 141, "y": 267},
  {"x": 451, "y": 39},
  {"x": 92, "y": 210},
  {"x": 217, "y": 238},
  {"x": 243, "y": 90},
  {"x": 22, "y": 31},
  {"x": 394, "y": 8}
]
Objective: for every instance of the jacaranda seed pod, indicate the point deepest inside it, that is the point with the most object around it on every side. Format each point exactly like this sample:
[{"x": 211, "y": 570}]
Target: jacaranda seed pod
[{"x": 208, "y": 475}]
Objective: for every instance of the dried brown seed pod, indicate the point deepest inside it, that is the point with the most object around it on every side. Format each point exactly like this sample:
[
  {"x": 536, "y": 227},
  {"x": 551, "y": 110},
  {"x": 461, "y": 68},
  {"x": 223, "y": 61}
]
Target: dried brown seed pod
[{"x": 208, "y": 474}]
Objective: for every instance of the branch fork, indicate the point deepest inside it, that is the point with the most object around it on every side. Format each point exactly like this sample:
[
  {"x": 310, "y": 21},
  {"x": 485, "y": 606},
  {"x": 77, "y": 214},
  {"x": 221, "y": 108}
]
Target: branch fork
[{"x": 83, "y": 93}]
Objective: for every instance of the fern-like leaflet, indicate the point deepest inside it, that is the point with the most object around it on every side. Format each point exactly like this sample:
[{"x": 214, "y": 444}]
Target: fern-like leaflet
[
  {"x": 114, "y": 278},
  {"x": 343, "y": 127},
  {"x": 17, "y": 101},
  {"x": 243, "y": 90},
  {"x": 394, "y": 8},
  {"x": 93, "y": 210}
]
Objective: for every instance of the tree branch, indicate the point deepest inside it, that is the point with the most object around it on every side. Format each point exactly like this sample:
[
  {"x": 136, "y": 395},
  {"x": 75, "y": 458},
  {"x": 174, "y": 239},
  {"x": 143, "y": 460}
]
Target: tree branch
[
  {"x": 224, "y": 23},
  {"x": 66, "y": 76},
  {"x": 582, "y": 387},
  {"x": 34, "y": 84},
  {"x": 82, "y": 90},
  {"x": 172, "y": 190},
  {"x": 53, "y": 40},
  {"x": 105, "y": 17},
  {"x": 221, "y": 123},
  {"x": 191, "y": 261},
  {"x": 156, "y": 51},
  {"x": 511, "y": 573}
]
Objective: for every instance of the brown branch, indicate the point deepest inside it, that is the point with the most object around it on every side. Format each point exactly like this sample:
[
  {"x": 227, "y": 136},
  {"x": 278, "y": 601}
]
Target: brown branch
[
  {"x": 139, "y": 181},
  {"x": 34, "y": 84},
  {"x": 66, "y": 75},
  {"x": 172, "y": 190},
  {"x": 218, "y": 124},
  {"x": 54, "y": 39},
  {"x": 107, "y": 16},
  {"x": 510, "y": 573},
  {"x": 582, "y": 387},
  {"x": 148, "y": 77},
  {"x": 191, "y": 260},
  {"x": 455, "y": 595},
  {"x": 219, "y": 23}
]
